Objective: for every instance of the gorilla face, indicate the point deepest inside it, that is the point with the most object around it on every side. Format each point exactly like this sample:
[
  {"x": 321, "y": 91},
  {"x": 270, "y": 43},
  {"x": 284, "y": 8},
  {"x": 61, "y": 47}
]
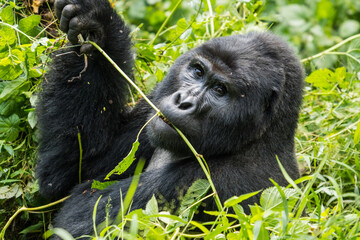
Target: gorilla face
[{"x": 221, "y": 95}]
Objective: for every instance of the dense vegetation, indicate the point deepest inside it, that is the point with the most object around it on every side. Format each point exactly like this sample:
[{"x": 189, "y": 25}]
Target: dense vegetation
[{"x": 325, "y": 34}]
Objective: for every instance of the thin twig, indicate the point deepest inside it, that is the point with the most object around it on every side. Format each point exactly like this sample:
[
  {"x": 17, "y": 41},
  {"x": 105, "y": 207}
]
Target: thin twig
[
  {"x": 22, "y": 209},
  {"x": 327, "y": 51}
]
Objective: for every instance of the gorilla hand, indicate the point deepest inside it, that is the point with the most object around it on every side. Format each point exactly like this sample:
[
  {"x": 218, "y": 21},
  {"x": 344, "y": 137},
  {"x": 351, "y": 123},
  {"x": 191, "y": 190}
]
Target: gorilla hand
[{"x": 89, "y": 18}]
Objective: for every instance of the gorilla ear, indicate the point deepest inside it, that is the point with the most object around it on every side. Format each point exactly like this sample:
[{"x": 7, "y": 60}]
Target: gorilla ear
[{"x": 273, "y": 101}]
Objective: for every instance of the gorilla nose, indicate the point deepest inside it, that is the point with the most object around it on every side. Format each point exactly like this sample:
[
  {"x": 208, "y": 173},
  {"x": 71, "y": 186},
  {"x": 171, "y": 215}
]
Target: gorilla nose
[{"x": 184, "y": 101}]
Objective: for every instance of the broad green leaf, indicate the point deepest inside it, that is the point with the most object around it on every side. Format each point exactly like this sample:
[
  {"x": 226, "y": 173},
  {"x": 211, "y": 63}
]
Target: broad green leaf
[
  {"x": 7, "y": 36},
  {"x": 327, "y": 79},
  {"x": 9, "y": 127},
  {"x": 9, "y": 149},
  {"x": 10, "y": 87},
  {"x": 7, "y": 192},
  {"x": 7, "y": 15},
  {"x": 126, "y": 162},
  {"x": 101, "y": 185},
  {"x": 29, "y": 23},
  {"x": 35, "y": 73},
  {"x": 181, "y": 25},
  {"x": 7, "y": 107},
  {"x": 271, "y": 199},
  {"x": 9, "y": 70},
  {"x": 151, "y": 207},
  {"x": 235, "y": 200}
]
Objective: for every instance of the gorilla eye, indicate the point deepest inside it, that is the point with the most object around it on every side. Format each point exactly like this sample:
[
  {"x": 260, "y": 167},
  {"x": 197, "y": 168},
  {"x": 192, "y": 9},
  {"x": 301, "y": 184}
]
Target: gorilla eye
[
  {"x": 220, "y": 89},
  {"x": 199, "y": 71}
]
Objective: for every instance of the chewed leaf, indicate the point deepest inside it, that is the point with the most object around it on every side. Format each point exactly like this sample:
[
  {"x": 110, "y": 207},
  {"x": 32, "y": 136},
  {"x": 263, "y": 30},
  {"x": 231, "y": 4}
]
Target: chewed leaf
[
  {"x": 126, "y": 162},
  {"x": 197, "y": 191},
  {"x": 101, "y": 185}
]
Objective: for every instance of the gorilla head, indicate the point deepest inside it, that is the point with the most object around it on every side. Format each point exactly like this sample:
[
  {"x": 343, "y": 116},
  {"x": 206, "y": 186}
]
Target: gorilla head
[{"x": 227, "y": 93}]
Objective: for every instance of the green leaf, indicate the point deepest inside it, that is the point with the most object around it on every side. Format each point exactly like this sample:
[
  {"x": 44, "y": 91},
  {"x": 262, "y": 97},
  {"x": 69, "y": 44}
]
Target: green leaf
[
  {"x": 7, "y": 192},
  {"x": 7, "y": 36},
  {"x": 349, "y": 28},
  {"x": 271, "y": 199},
  {"x": 32, "y": 120},
  {"x": 325, "y": 78},
  {"x": 9, "y": 127},
  {"x": 195, "y": 192},
  {"x": 151, "y": 207},
  {"x": 9, "y": 149},
  {"x": 101, "y": 185},
  {"x": 7, "y": 15},
  {"x": 126, "y": 162},
  {"x": 357, "y": 134},
  {"x": 7, "y": 107},
  {"x": 181, "y": 25},
  {"x": 146, "y": 51},
  {"x": 186, "y": 34},
  {"x": 9, "y": 70},
  {"x": 29, "y": 23},
  {"x": 260, "y": 231},
  {"x": 235, "y": 200},
  {"x": 10, "y": 87}
]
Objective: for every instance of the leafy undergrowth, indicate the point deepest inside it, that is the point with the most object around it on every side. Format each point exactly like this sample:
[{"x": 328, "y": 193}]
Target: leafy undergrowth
[{"x": 326, "y": 206}]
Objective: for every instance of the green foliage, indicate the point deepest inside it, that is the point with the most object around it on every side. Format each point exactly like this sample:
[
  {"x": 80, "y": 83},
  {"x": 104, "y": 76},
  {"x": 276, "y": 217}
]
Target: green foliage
[
  {"x": 22, "y": 65},
  {"x": 313, "y": 26},
  {"x": 325, "y": 206}
]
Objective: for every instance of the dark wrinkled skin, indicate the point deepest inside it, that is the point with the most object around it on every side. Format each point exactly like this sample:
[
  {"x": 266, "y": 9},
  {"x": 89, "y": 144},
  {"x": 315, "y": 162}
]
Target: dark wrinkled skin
[{"x": 236, "y": 98}]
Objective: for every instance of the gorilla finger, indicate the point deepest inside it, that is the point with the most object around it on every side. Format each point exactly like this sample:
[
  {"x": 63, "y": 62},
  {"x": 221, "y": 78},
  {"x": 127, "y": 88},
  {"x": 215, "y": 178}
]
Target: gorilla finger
[
  {"x": 59, "y": 5},
  {"x": 68, "y": 12},
  {"x": 87, "y": 48},
  {"x": 73, "y": 36}
]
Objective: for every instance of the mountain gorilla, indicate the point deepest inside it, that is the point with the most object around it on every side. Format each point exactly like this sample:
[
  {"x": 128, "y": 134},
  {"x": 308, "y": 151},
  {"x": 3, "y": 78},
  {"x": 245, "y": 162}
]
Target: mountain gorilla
[{"x": 236, "y": 98}]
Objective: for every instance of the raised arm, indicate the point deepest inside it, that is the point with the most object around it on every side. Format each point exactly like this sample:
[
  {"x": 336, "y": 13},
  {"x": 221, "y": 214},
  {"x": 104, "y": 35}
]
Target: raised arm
[{"x": 84, "y": 96}]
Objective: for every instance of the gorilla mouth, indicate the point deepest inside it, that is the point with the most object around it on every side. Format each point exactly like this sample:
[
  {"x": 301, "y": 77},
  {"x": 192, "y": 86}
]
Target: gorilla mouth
[{"x": 162, "y": 117}]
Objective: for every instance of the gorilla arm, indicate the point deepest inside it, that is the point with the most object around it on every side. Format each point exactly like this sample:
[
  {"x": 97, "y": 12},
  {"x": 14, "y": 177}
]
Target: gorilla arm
[{"x": 86, "y": 96}]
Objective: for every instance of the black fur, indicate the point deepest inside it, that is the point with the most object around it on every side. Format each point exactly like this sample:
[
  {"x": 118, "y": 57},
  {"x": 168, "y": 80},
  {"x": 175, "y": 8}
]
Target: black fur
[{"x": 236, "y": 98}]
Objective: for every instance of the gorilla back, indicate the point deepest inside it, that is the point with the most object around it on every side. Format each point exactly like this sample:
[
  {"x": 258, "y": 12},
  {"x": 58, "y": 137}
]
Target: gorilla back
[{"x": 236, "y": 99}]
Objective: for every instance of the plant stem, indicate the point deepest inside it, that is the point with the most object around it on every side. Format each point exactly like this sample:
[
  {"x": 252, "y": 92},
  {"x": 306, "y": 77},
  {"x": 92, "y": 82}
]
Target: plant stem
[
  {"x": 197, "y": 155},
  {"x": 327, "y": 51},
  {"x": 212, "y": 28},
  {"x": 80, "y": 154},
  {"x": 123, "y": 74},
  {"x": 165, "y": 22},
  {"x": 2, "y": 234}
]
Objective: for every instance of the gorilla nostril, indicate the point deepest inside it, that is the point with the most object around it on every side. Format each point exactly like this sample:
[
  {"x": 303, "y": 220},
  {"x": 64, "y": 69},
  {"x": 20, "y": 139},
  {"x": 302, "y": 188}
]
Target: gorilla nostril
[
  {"x": 185, "y": 105},
  {"x": 176, "y": 99}
]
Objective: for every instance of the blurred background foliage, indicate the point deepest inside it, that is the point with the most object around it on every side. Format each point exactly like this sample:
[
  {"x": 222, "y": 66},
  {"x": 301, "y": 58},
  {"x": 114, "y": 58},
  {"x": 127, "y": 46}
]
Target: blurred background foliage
[{"x": 329, "y": 130}]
